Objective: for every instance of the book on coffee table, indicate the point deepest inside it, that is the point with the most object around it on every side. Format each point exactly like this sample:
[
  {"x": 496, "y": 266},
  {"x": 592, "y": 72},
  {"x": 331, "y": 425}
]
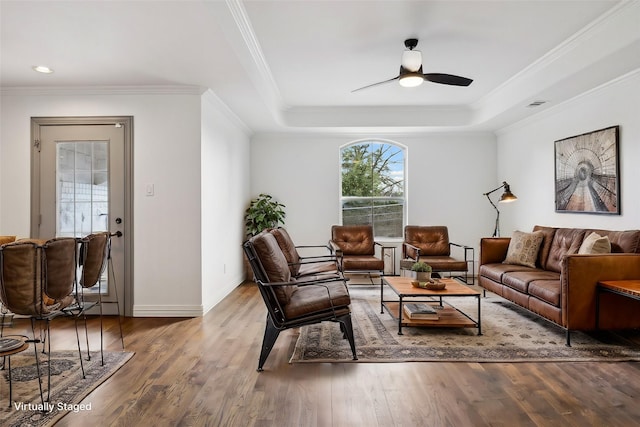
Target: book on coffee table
[{"x": 420, "y": 311}]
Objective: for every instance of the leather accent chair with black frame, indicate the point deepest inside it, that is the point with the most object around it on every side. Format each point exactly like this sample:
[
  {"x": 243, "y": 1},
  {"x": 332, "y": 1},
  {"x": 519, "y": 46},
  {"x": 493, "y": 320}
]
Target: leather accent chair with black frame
[
  {"x": 430, "y": 244},
  {"x": 291, "y": 303},
  {"x": 95, "y": 257},
  {"x": 37, "y": 280},
  {"x": 355, "y": 247},
  {"x": 310, "y": 266}
]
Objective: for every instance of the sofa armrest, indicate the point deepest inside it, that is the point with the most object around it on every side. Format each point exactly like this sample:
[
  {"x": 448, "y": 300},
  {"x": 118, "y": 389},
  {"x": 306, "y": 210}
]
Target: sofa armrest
[
  {"x": 493, "y": 249},
  {"x": 579, "y": 278}
]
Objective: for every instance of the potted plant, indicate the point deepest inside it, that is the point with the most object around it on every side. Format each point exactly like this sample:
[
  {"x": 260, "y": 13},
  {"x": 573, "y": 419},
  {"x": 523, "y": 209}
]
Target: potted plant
[
  {"x": 422, "y": 271},
  {"x": 263, "y": 212}
]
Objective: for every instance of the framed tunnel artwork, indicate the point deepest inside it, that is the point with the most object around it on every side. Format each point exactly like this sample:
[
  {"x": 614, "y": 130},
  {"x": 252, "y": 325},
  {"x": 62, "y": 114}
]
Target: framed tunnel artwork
[{"x": 587, "y": 174}]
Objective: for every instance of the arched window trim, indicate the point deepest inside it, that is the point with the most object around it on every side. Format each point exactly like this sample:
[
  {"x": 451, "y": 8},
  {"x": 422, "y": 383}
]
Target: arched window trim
[{"x": 404, "y": 197}]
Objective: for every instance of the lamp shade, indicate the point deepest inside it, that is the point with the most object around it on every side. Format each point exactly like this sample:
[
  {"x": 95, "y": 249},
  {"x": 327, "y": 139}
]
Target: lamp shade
[{"x": 507, "y": 196}]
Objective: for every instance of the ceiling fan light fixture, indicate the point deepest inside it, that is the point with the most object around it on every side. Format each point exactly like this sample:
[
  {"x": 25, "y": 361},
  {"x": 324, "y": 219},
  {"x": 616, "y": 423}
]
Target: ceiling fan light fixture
[{"x": 411, "y": 80}]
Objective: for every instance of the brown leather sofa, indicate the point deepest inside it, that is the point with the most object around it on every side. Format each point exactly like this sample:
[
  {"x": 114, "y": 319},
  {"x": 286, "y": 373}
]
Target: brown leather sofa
[
  {"x": 431, "y": 244},
  {"x": 562, "y": 286}
]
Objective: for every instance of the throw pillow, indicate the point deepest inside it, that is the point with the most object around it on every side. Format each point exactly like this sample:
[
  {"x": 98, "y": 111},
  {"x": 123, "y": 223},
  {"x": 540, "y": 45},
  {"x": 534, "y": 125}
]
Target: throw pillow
[
  {"x": 595, "y": 244},
  {"x": 523, "y": 248}
]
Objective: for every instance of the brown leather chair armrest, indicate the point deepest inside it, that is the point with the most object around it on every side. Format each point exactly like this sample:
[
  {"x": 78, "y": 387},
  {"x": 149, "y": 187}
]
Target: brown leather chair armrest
[
  {"x": 493, "y": 249},
  {"x": 335, "y": 248},
  {"x": 414, "y": 254}
]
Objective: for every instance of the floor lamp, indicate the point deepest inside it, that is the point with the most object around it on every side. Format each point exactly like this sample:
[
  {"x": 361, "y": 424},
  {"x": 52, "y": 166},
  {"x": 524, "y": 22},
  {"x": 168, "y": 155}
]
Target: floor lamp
[{"x": 507, "y": 196}]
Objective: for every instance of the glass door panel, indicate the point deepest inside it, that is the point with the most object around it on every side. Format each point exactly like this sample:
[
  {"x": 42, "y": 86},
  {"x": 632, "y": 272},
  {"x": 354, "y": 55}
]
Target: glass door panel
[{"x": 82, "y": 196}]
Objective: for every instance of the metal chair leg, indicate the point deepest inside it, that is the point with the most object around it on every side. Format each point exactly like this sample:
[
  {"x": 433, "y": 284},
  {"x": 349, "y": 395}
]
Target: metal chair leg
[
  {"x": 347, "y": 329},
  {"x": 75, "y": 320},
  {"x": 35, "y": 350},
  {"x": 270, "y": 335}
]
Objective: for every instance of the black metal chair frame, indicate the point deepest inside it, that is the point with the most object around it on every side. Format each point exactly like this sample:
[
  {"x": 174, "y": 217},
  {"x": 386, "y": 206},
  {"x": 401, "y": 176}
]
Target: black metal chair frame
[
  {"x": 82, "y": 305},
  {"x": 276, "y": 320}
]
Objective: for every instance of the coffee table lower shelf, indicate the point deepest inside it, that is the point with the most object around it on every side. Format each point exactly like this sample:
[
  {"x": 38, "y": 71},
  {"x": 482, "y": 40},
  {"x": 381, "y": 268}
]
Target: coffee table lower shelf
[{"x": 449, "y": 317}]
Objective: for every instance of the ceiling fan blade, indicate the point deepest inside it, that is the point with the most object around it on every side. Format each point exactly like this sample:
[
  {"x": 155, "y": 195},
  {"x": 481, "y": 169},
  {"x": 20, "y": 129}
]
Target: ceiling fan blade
[
  {"x": 376, "y": 84},
  {"x": 447, "y": 79}
]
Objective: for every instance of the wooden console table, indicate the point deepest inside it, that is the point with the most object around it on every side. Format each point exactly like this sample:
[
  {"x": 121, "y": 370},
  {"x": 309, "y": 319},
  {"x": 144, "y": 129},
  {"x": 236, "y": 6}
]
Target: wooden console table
[{"x": 625, "y": 288}]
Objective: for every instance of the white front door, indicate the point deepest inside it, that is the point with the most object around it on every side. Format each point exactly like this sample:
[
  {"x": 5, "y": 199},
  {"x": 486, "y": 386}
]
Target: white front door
[{"x": 80, "y": 187}]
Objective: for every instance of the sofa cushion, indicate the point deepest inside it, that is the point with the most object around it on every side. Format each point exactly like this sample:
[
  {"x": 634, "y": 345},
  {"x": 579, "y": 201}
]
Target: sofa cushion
[
  {"x": 363, "y": 263},
  {"x": 622, "y": 241},
  {"x": 313, "y": 298},
  {"x": 545, "y": 247},
  {"x": 546, "y": 290},
  {"x": 523, "y": 248},
  {"x": 496, "y": 271},
  {"x": 444, "y": 263},
  {"x": 521, "y": 280},
  {"x": 288, "y": 249},
  {"x": 566, "y": 241},
  {"x": 275, "y": 264},
  {"x": 595, "y": 244}
]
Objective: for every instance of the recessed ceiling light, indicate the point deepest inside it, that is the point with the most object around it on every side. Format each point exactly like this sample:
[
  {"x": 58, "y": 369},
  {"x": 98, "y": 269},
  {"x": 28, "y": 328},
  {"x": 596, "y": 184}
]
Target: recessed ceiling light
[{"x": 42, "y": 69}]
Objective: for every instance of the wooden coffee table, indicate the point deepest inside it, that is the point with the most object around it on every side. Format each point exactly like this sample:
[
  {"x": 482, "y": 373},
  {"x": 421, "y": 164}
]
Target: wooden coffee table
[{"x": 449, "y": 316}]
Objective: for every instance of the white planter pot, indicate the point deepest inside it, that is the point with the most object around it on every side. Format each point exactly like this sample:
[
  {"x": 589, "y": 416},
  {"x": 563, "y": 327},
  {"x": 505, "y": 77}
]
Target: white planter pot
[{"x": 423, "y": 276}]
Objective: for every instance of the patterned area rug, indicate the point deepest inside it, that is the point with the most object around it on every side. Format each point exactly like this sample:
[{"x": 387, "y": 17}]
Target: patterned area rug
[
  {"x": 68, "y": 388},
  {"x": 510, "y": 334}
]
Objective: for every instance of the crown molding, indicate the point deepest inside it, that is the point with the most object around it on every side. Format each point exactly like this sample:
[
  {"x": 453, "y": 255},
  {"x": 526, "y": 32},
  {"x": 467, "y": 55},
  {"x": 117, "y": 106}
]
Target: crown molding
[
  {"x": 267, "y": 82},
  {"x": 212, "y": 99},
  {"x": 615, "y": 21},
  {"x": 555, "y": 109},
  {"x": 101, "y": 90}
]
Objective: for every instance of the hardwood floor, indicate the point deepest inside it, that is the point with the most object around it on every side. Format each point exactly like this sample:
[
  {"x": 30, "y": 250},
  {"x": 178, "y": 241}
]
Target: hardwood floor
[{"x": 197, "y": 372}]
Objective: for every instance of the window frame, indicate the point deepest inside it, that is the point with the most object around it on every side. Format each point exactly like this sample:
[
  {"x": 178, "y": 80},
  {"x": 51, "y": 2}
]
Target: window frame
[{"x": 404, "y": 198}]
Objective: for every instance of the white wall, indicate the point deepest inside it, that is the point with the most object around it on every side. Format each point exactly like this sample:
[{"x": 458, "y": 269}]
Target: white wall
[
  {"x": 526, "y": 157},
  {"x": 167, "y": 149},
  {"x": 225, "y": 194},
  {"x": 447, "y": 174}
]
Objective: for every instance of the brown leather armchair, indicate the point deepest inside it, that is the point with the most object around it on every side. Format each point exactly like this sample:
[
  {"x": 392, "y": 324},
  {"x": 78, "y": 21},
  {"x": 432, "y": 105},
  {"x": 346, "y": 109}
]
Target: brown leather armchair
[
  {"x": 305, "y": 266},
  {"x": 430, "y": 244},
  {"x": 355, "y": 248},
  {"x": 291, "y": 303}
]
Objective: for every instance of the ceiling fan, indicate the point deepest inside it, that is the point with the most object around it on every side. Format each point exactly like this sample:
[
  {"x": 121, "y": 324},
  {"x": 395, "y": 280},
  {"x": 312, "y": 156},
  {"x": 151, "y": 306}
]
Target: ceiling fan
[{"x": 411, "y": 74}]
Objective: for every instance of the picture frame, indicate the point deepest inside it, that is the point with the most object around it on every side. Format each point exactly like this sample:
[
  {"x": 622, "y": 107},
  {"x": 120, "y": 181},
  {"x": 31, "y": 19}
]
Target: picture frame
[{"x": 587, "y": 173}]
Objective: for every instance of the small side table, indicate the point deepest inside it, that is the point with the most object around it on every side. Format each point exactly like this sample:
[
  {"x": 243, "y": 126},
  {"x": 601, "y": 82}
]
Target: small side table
[
  {"x": 625, "y": 288},
  {"x": 9, "y": 347}
]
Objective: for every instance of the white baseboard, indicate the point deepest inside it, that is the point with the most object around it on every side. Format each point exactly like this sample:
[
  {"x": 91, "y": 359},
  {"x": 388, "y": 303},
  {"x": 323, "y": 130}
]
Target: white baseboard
[{"x": 168, "y": 311}]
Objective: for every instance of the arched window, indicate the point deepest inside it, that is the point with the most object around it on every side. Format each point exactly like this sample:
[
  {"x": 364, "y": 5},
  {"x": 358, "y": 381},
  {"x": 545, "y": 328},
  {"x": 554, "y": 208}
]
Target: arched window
[{"x": 373, "y": 186}]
